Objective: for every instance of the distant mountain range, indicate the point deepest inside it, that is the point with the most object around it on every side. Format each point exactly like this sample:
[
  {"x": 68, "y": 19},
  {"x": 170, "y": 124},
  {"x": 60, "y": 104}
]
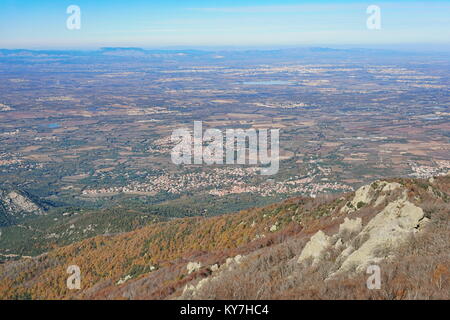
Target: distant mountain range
[{"x": 307, "y": 54}]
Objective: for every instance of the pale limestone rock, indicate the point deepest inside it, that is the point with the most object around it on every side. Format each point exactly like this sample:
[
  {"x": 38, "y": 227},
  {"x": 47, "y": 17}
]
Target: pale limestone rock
[
  {"x": 121, "y": 281},
  {"x": 388, "y": 187},
  {"x": 201, "y": 283},
  {"x": 16, "y": 203},
  {"x": 193, "y": 267},
  {"x": 380, "y": 200},
  {"x": 238, "y": 259},
  {"x": 364, "y": 194},
  {"x": 230, "y": 264},
  {"x": 259, "y": 236},
  {"x": 422, "y": 224},
  {"x": 318, "y": 243},
  {"x": 194, "y": 289},
  {"x": 229, "y": 261},
  {"x": 351, "y": 225},
  {"x": 339, "y": 244},
  {"x": 346, "y": 252},
  {"x": 367, "y": 194},
  {"x": 233, "y": 261},
  {"x": 391, "y": 186},
  {"x": 387, "y": 229},
  {"x": 214, "y": 267},
  {"x": 187, "y": 288}
]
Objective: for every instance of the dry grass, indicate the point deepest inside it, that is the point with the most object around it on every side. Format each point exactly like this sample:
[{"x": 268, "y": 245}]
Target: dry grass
[{"x": 420, "y": 269}]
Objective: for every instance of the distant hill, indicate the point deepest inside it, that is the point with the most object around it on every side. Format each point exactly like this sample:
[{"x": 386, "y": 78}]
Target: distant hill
[
  {"x": 16, "y": 204},
  {"x": 302, "y": 248},
  {"x": 306, "y": 54}
]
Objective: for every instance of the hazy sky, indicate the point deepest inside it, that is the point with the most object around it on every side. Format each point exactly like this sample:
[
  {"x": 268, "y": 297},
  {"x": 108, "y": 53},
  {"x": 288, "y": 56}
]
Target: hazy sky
[{"x": 150, "y": 23}]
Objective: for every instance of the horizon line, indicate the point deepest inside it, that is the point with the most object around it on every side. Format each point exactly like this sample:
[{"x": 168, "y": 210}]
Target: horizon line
[{"x": 412, "y": 47}]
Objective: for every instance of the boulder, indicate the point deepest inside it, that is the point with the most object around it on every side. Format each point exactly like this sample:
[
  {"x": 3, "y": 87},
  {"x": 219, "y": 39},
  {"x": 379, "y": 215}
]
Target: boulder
[
  {"x": 215, "y": 267},
  {"x": 318, "y": 243},
  {"x": 193, "y": 267},
  {"x": 274, "y": 228}
]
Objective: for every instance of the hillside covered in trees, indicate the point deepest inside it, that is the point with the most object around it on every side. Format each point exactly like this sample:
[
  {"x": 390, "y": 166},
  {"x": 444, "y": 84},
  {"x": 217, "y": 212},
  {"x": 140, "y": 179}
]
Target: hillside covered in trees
[{"x": 302, "y": 248}]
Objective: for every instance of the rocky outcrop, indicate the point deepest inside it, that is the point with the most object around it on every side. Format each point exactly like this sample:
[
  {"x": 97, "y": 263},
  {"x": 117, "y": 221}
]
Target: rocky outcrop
[
  {"x": 16, "y": 203},
  {"x": 318, "y": 243},
  {"x": 190, "y": 290},
  {"x": 193, "y": 267},
  {"x": 358, "y": 246},
  {"x": 214, "y": 267},
  {"x": 233, "y": 261},
  {"x": 384, "y": 232},
  {"x": 350, "y": 225},
  {"x": 123, "y": 280},
  {"x": 274, "y": 227},
  {"x": 374, "y": 193}
]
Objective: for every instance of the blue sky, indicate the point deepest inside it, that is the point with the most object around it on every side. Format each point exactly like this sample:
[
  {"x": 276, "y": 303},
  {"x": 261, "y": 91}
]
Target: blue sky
[{"x": 198, "y": 23}]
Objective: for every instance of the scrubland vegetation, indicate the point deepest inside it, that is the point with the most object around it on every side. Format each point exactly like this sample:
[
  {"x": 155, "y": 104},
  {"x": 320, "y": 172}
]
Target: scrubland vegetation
[{"x": 153, "y": 259}]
